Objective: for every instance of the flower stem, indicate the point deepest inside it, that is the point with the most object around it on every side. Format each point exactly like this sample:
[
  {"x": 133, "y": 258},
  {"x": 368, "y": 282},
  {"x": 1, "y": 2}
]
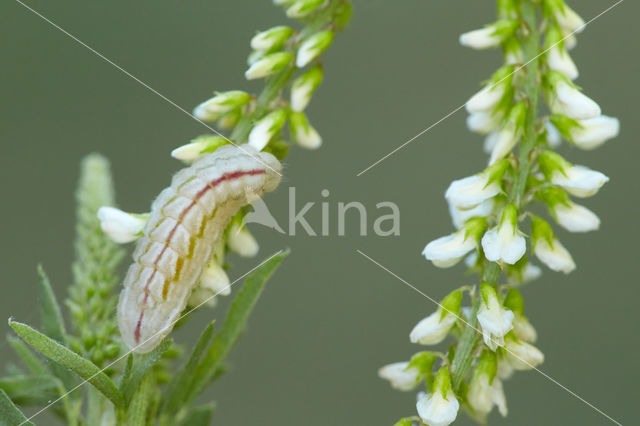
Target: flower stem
[{"x": 531, "y": 43}]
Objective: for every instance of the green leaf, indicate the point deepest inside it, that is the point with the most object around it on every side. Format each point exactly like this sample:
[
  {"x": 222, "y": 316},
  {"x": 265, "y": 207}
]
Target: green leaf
[
  {"x": 69, "y": 359},
  {"x": 52, "y": 322},
  {"x": 181, "y": 383},
  {"x": 28, "y": 358},
  {"x": 127, "y": 371},
  {"x": 140, "y": 368},
  {"x": 234, "y": 323},
  {"x": 10, "y": 415},
  {"x": 36, "y": 389},
  {"x": 139, "y": 405},
  {"x": 199, "y": 416}
]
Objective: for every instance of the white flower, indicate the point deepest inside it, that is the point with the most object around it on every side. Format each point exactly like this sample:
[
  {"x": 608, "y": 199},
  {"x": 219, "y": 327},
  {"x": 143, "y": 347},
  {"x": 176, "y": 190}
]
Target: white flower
[
  {"x": 486, "y": 99},
  {"x": 555, "y": 256},
  {"x": 576, "y": 218},
  {"x": 568, "y": 20},
  {"x": 571, "y": 102},
  {"x": 432, "y": 329},
  {"x": 215, "y": 279},
  {"x": 191, "y": 151},
  {"x": 448, "y": 250},
  {"x": 241, "y": 241},
  {"x": 460, "y": 215},
  {"x": 302, "y": 8},
  {"x": 313, "y": 46},
  {"x": 554, "y": 138},
  {"x": 579, "y": 181},
  {"x": 268, "y": 65},
  {"x": 266, "y": 128},
  {"x": 303, "y": 87},
  {"x": 120, "y": 226},
  {"x": 483, "y": 38},
  {"x": 559, "y": 60},
  {"x": 483, "y": 122},
  {"x": 504, "y": 243},
  {"x": 523, "y": 329},
  {"x": 469, "y": 192},
  {"x": 494, "y": 320},
  {"x": 220, "y": 104},
  {"x": 593, "y": 132},
  {"x": 439, "y": 408},
  {"x": 302, "y": 132},
  {"x": 400, "y": 375},
  {"x": 522, "y": 355},
  {"x": 502, "y": 142},
  {"x": 482, "y": 396}
]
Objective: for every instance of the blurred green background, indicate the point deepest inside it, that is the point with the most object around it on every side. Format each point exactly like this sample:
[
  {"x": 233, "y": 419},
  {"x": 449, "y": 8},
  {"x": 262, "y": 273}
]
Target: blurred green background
[{"x": 329, "y": 318}]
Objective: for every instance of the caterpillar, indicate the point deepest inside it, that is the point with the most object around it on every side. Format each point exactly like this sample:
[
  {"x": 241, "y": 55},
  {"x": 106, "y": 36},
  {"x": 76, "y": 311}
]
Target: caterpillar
[{"x": 187, "y": 219}]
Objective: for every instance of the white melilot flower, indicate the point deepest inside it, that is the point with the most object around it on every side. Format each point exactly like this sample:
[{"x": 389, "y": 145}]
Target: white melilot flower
[
  {"x": 568, "y": 20},
  {"x": 440, "y": 407},
  {"x": 559, "y": 60},
  {"x": 483, "y": 122},
  {"x": 555, "y": 256},
  {"x": 504, "y": 243},
  {"x": 571, "y": 102},
  {"x": 482, "y": 396},
  {"x": 554, "y": 138},
  {"x": 523, "y": 329},
  {"x": 595, "y": 131},
  {"x": 215, "y": 279},
  {"x": 271, "y": 38},
  {"x": 494, "y": 320},
  {"x": 448, "y": 250},
  {"x": 483, "y": 38},
  {"x": 486, "y": 99},
  {"x": 400, "y": 376},
  {"x": 501, "y": 142},
  {"x": 266, "y": 128},
  {"x": 522, "y": 355},
  {"x": 313, "y": 46},
  {"x": 432, "y": 329},
  {"x": 469, "y": 192},
  {"x": 121, "y": 227},
  {"x": 576, "y": 218},
  {"x": 579, "y": 181},
  {"x": 303, "y": 87},
  {"x": 302, "y": 132},
  {"x": 460, "y": 215},
  {"x": 241, "y": 241},
  {"x": 268, "y": 65},
  {"x": 570, "y": 42},
  {"x": 188, "y": 152}
]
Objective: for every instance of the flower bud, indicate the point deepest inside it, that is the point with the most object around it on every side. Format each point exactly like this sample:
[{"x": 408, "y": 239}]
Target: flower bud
[
  {"x": 484, "y": 122},
  {"x": 494, "y": 320},
  {"x": 303, "y": 87},
  {"x": 491, "y": 95},
  {"x": 509, "y": 135},
  {"x": 268, "y": 65},
  {"x": 313, "y": 46},
  {"x": 273, "y": 38},
  {"x": 302, "y": 132},
  {"x": 485, "y": 389},
  {"x": 303, "y": 8},
  {"x": 266, "y": 128},
  {"x": 547, "y": 247},
  {"x": 558, "y": 58},
  {"x": 439, "y": 408},
  {"x": 198, "y": 146},
  {"x": 241, "y": 241},
  {"x": 522, "y": 355},
  {"x": 121, "y": 227},
  {"x": 448, "y": 250},
  {"x": 522, "y": 328},
  {"x": 565, "y": 98},
  {"x": 566, "y": 18},
  {"x": 469, "y": 192},
  {"x": 489, "y": 36},
  {"x": 435, "y": 328},
  {"x": 401, "y": 376},
  {"x": 571, "y": 216},
  {"x": 220, "y": 104}
]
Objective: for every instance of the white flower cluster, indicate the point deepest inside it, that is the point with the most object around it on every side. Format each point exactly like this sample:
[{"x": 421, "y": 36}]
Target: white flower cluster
[
  {"x": 277, "y": 55},
  {"x": 489, "y": 210}
]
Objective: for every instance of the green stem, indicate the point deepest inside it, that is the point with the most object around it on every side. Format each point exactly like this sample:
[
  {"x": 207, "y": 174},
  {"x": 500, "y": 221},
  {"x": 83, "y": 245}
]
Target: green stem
[{"x": 531, "y": 43}]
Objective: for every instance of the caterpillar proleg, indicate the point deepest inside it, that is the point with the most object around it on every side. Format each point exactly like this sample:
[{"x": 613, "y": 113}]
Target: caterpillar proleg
[{"x": 187, "y": 219}]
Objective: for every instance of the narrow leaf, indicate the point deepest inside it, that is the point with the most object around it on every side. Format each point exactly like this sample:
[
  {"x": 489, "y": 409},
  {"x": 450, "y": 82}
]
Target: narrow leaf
[
  {"x": 52, "y": 322},
  {"x": 199, "y": 416},
  {"x": 140, "y": 368},
  {"x": 181, "y": 383},
  {"x": 29, "y": 359},
  {"x": 234, "y": 323},
  {"x": 10, "y": 415},
  {"x": 127, "y": 371},
  {"x": 139, "y": 405},
  {"x": 69, "y": 359},
  {"x": 30, "y": 389}
]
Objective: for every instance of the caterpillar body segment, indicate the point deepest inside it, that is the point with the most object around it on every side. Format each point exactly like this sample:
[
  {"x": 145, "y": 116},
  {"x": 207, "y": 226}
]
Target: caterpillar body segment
[{"x": 187, "y": 219}]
